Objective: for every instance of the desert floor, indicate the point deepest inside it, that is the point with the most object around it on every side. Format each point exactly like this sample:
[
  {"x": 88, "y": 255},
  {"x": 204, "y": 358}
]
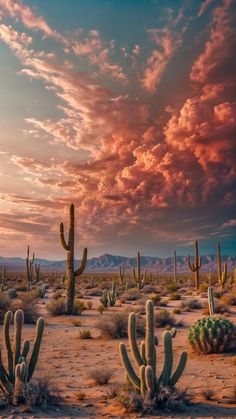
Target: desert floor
[{"x": 67, "y": 359}]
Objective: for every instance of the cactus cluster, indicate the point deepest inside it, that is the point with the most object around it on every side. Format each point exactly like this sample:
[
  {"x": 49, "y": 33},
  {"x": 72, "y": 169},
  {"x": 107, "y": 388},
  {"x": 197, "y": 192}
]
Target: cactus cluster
[
  {"x": 196, "y": 265},
  {"x": 138, "y": 277},
  {"x": 71, "y": 274},
  {"x": 19, "y": 371},
  {"x": 146, "y": 381},
  {"x": 211, "y": 335},
  {"x": 109, "y": 298}
]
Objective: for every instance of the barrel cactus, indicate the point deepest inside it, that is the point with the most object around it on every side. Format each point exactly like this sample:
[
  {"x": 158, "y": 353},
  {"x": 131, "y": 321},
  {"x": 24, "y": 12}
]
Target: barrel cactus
[
  {"x": 147, "y": 381},
  {"x": 211, "y": 335}
]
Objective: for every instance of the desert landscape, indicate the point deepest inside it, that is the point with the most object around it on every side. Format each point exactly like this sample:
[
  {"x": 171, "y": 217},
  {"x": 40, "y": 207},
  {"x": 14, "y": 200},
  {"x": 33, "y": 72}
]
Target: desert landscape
[{"x": 117, "y": 209}]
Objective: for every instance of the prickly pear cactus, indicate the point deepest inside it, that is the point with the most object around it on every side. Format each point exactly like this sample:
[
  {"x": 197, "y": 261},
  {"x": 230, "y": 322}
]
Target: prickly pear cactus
[{"x": 211, "y": 335}]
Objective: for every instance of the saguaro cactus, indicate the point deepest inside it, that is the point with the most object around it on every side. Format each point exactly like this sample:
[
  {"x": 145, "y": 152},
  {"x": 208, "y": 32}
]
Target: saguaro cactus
[
  {"x": 138, "y": 277},
  {"x": 71, "y": 274},
  {"x": 122, "y": 278},
  {"x": 147, "y": 382},
  {"x": 19, "y": 371},
  {"x": 219, "y": 263},
  {"x": 29, "y": 269},
  {"x": 112, "y": 295},
  {"x": 175, "y": 267},
  {"x": 196, "y": 265}
]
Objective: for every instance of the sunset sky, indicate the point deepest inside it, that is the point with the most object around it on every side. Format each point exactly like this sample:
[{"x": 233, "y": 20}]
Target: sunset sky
[{"x": 126, "y": 108}]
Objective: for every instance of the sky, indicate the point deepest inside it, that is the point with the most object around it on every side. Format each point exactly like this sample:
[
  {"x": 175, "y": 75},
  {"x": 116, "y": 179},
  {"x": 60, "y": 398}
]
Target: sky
[{"x": 128, "y": 110}]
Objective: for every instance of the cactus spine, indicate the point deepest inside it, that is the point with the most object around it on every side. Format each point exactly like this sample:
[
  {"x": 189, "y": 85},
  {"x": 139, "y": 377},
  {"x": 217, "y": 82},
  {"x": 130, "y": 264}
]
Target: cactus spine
[
  {"x": 175, "y": 267},
  {"x": 147, "y": 382},
  {"x": 122, "y": 278},
  {"x": 29, "y": 269},
  {"x": 138, "y": 277},
  {"x": 196, "y": 265},
  {"x": 211, "y": 303},
  {"x": 19, "y": 371},
  {"x": 71, "y": 274}
]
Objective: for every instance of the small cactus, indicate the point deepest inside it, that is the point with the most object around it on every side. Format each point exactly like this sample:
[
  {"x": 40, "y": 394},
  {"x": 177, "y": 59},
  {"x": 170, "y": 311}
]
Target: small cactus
[
  {"x": 138, "y": 277},
  {"x": 211, "y": 335},
  {"x": 146, "y": 381},
  {"x": 104, "y": 299},
  {"x": 19, "y": 371}
]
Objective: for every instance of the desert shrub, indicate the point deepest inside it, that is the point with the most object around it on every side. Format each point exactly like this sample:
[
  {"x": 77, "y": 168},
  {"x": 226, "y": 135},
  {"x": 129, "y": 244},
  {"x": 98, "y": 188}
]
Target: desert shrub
[
  {"x": 220, "y": 308},
  {"x": 79, "y": 306},
  {"x": 172, "y": 287},
  {"x": 100, "y": 308},
  {"x": 22, "y": 286},
  {"x": 156, "y": 298},
  {"x": 191, "y": 304},
  {"x": 166, "y": 400},
  {"x": 148, "y": 289},
  {"x": 116, "y": 326},
  {"x": 101, "y": 376},
  {"x": 29, "y": 307},
  {"x": 57, "y": 307},
  {"x": 229, "y": 299},
  {"x": 85, "y": 334},
  {"x": 30, "y": 295},
  {"x": 131, "y": 295},
  {"x": 5, "y": 305},
  {"x": 203, "y": 287},
  {"x": 57, "y": 294},
  {"x": 95, "y": 292},
  {"x": 11, "y": 292},
  {"x": 163, "y": 318},
  {"x": 177, "y": 310},
  {"x": 175, "y": 296},
  {"x": 76, "y": 323},
  {"x": 89, "y": 305},
  {"x": 41, "y": 394}
]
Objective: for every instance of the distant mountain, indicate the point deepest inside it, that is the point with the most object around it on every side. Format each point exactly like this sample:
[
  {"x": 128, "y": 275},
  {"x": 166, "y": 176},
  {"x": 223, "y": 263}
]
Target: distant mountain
[{"x": 111, "y": 263}]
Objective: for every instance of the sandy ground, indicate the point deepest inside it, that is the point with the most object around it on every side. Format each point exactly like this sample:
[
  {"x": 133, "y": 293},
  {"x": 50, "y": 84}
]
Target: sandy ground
[{"x": 68, "y": 359}]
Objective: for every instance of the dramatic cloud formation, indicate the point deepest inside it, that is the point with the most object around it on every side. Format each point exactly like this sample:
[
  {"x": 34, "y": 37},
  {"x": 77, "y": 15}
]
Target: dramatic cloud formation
[{"x": 140, "y": 136}]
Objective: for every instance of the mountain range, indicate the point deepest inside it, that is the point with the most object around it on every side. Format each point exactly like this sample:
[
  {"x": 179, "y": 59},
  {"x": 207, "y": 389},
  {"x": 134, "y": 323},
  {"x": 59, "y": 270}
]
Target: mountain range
[{"x": 111, "y": 263}]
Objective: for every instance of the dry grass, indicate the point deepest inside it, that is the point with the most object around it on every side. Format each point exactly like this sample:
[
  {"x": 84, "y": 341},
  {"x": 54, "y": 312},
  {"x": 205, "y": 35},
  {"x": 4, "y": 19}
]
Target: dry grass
[{"x": 101, "y": 376}]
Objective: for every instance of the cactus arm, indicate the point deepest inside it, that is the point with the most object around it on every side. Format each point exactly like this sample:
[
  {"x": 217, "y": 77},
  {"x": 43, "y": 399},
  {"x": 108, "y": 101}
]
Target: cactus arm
[
  {"x": 80, "y": 270},
  {"x": 179, "y": 370},
  {"x": 36, "y": 348},
  {"x": 149, "y": 378},
  {"x": 133, "y": 340},
  {"x": 62, "y": 237},
  {"x": 142, "y": 380},
  {"x": 143, "y": 352},
  {"x": 133, "y": 378},
  {"x": 18, "y": 323},
  {"x": 6, "y": 326},
  {"x": 150, "y": 339},
  {"x": 168, "y": 364},
  {"x": 26, "y": 347},
  {"x": 191, "y": 264}
]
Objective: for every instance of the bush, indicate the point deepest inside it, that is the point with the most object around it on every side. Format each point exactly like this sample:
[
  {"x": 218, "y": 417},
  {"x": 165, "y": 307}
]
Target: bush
[
  {"x": 85, "y": 334},
  {"x": 30, "y": 310},
  {"x": 175, "y": 296},
  {"x": 101, "y": 376},
  {"x": 156, "y": 298},
  {"x": 57, "y": 294},
  {"x": 229, "y": 299},
  {"x": 172, "y": 287},
  {"x": 57, "y": 307},
  {"x": 116, "y": 326},
  {"x": 41, "y": 394},
  {"x": 131, "y": 295},
  {"x": 89, "y": 305},
  {"x": 203, "y": 287},
  {"x": 191, "y": 304},
  {"x": 79, "y": 307},
  {"x": 164, "y": 318},
  {"x": 11, "y": 293},
  {"x": 100, "y": 308},
  {"x": 5, "y": 305}
]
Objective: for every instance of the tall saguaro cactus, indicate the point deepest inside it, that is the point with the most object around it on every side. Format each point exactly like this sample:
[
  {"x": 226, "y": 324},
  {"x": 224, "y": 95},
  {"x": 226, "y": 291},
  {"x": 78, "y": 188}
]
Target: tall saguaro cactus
[
  {"x": 196, "y": 265},
  {"x": 222, "y": 276},
  {"x": 29, "y": 268},
  {"x": 146, "y": 381},
  {"x": 71, "y": 274},
  {"x": 175, "y": 267},
  {"x": 138, "y": 277}
]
